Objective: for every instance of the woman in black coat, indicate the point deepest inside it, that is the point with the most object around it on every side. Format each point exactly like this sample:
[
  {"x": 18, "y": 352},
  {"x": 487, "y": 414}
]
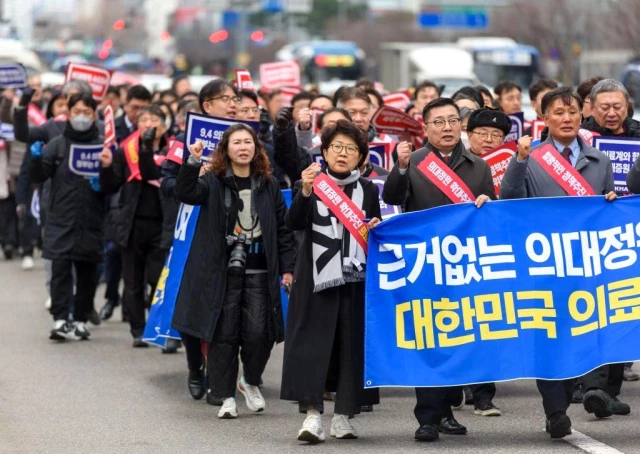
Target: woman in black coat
[
  {"x": 73, "y": 235},
  {"x": 324, "y": 345},
  {"x": 230, "y": 290}
]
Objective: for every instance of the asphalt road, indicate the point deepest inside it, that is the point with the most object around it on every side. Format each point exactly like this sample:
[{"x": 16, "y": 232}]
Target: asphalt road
[{"x": 103, "y": 396}]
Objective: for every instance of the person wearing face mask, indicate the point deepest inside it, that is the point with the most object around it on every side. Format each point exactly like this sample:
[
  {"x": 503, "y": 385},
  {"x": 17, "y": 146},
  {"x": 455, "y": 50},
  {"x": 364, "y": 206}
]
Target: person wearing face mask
[
  {"x": 609, "y": 101},
  {"x": 74, "y": 231},
  {"x": 143, "y": 222},
  {"x": 230, "y": 291},
  {"x": 324, "y": 345}
]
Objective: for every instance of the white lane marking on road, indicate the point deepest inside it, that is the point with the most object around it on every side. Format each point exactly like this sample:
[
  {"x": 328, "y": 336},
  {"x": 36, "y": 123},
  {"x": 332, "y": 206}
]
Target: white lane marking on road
[{"x": 588, "y": 444}]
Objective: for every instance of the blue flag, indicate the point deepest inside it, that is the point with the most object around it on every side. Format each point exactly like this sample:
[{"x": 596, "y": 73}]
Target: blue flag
[{"x": 537, "y": 288}]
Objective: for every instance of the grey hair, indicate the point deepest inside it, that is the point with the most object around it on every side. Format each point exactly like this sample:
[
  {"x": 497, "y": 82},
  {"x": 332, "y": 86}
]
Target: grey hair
[
  {"x": 465, "y": 112},
  {"x": 608, "y": 86},
  {"x": 80, "y": 85}
]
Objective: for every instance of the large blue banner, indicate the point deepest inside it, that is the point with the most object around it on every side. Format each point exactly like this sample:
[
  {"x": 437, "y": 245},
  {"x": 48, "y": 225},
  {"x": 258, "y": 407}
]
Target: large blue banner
[{"x": 537, "y": 288}]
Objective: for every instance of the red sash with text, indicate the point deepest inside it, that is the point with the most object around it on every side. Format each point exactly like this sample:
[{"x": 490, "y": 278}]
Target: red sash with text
[
  {"x": 562, "y": 171},
  {"x": 343, "y": 208},
  {"x": 445, "y": 179},
  {"x": 35, "y": 115},
  {"x": 176, "y": 152}
]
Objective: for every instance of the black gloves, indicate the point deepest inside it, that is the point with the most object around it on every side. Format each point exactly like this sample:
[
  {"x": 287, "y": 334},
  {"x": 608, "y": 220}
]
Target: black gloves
[
  {"x": 265, "y": 121},
  {"x": 147, "y": 139},
  {"x": 27, "y": 94},
  {"x": 284, "y": 118}
]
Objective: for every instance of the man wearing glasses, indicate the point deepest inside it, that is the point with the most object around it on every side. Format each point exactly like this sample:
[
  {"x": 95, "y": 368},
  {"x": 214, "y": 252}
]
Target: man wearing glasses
[
  {"x": 410, "y": 186},
  {"x": 486, "y": 130}
]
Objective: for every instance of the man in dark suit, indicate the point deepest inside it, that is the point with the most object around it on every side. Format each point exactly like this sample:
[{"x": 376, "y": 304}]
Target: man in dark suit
[{"x": 137, "y": 98}]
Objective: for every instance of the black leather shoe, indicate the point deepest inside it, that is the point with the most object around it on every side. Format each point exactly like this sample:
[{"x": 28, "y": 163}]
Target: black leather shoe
[
  {"x": 213, "y": 400},
  {"x": 450, "y": 426},
  {"x": 94, "y": 318},
  {"x": 619, "y": 408},
  {"x": 578, "y": 396},
  {"x": 107, "y": 310},
  {"x": 427, "y": 432},
  {"x": 366, "y": 408},
  {"x": 558, "y": 425},
  {"x": 171, "y": 346},
  {"x": 139, "y": 343},
  {"x": 598, "y": 402},
  {"x": 196, "y": 384}
]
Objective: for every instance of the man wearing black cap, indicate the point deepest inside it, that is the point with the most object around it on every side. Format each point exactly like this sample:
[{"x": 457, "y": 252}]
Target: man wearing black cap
[{"x": 486, "y": 130}]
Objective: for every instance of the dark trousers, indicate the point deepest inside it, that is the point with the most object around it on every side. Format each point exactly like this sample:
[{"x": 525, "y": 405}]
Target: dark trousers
[
  {"x": 62, "y": 289},
  {"x": 27, "y": 229},
  {"x": 483, "y": 393},
  {"x": 243, "y": 327},
  {"x": 608, "y": 378},
  {"x": 142, "y": 263},
  {"x": 433, "y": 404},
  {"x": 193, "y": 348},
  {"x": 112, "y": 271},
  {"x": 556, "y": 395},
  {"x": 8, "y": 224}
]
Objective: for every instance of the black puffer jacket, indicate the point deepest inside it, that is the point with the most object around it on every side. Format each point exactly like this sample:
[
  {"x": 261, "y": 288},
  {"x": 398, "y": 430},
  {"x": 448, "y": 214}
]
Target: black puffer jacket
[
  {"x": 75, "y": 211},
  {"x": 121, "y": 218},
  {"x": 202, "y": 290},
  {"x": 631, "y": 127}
]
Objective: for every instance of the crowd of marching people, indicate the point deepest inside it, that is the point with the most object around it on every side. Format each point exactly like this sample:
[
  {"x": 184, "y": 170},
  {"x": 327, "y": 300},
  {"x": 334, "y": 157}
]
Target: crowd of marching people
[{"x": 247, "y": 245}]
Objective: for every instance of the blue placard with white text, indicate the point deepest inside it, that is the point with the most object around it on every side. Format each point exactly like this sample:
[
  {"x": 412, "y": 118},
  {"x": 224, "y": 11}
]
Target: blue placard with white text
[
  {"x": 543, "y": 288},
  {"x": 12, "y": 75},
  {"x": 209, "y": 130},
  {"x": 517, "y": 127},
  {"x": 622, "y": 152},
  {"x": 84, "y": 160}
]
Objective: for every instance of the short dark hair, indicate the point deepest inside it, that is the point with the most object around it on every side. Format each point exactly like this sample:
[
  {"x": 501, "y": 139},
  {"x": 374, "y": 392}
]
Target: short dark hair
[
  {"x": 171, "y": 93},
  {"x": 353, "y": 93},
  {"x": 438, "y": 102},
  {"x": 365, "y": 83},
  {"x": 506, "y": 86},
  {"x": 333, "y": 109},
  {"x": 248, "y": 94},
  {"x": 471, "y": 93},
  {"x": 139, "y": 92},
  {"x": 338, "y": 93},
  {"x": 348, "y": 129},
  {"x": 423, "y": 85},
  {"x": 153, "y": 109},
  {"x": 213, "y": 89},
  {"x": 483, "y": 91},
  {"x": 322, "y": 96},
  {"x": 190, "y": 94},
  {"x": 172, "y": 115},
  {"x": 585, "y": 87},
  {"x": 113, "y": 90},
  {"x": 565, "y": 93},
  {"x": 540, "y": 85},
  {"x": 174, "y": 84},
  {"x": 376, "y": 94},
  {"x": 86, "y": 98},
  {"x": 302, "y": 96}
]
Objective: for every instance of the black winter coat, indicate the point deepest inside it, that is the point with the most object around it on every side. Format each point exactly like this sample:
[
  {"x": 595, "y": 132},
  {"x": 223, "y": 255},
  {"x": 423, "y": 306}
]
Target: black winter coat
[
  {"x": 121, "y": 217},
  {"x": 631, "y": 127},
  {"x": 309, "y": 366},
  {"x": 121, "y": 129},
  {"x": 416, "y": 192},
  {"x": 202, "y": 290},
  {"x": 75, "y": 212},
  {"x": 291, "y": 157}
]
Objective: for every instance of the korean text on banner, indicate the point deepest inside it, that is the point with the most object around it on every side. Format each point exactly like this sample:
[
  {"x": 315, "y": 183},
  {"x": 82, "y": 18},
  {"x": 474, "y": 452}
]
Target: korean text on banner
[
  {"x": 109, "y": 127},
  {"x": 279, "y": 74},
  {"x": 84, "y": 160},
  {"x": 517, "y": 127},
  {"x": 622, "y": 152},
  {"x": 13, "y": 75},
  {"x": 209, "y": 130},
  {"x": 393, "y": 121},
  {"x": 98, "y": 78},
  {"x": 554, "y": 301},
  {"x": 499, "y": 160}
]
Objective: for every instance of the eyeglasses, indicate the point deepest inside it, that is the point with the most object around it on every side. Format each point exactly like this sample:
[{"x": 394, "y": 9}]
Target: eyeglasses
[
  {"x": 349, "y": 149},
  {"x": 227, "y": 99},
  {"x": 246, "y": 110},
  {"x": 453, "y": 122},
  {"x": 484, "y": 135}
]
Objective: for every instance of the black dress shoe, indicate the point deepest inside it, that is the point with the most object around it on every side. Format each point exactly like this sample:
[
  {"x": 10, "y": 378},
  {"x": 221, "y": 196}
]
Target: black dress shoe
[
  {"x": 598, "y": 402},
  {"x": 139, "y": 343},
  {"x": 450, "y": 426},
  {"x": 427, "y": 432},
  {"x": 559, "y": 425},
  {"x": 171, "y": 346},
  {"x": 196, "y": 384},
  {"x": 366, "y": 408},
  {"x": 107, "y": 310},
  {"x": 619, "y": 408},
  {"x": 94, "y": 318},
  {"x": 213, "y": 400},
  {"x": 578, "y": 396}
]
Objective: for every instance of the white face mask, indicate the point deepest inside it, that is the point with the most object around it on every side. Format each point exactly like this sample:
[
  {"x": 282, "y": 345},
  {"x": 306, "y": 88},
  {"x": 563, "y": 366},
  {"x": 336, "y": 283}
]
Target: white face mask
[{"x": 465, "y": 140}]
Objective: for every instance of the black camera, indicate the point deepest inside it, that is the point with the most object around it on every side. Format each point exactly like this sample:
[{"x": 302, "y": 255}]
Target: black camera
[{"x": 238, "y": 255}]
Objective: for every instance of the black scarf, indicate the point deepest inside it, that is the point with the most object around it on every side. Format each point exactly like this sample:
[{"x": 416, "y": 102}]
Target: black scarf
[
  {"x": 456, "y": 154},
  {"x": 89, "y": 135}
]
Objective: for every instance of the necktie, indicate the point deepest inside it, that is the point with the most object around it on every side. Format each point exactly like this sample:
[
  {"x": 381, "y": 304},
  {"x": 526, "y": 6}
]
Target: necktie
[
  {"x": 567, "y": 154},
  {"x": 446, "y": 159}
]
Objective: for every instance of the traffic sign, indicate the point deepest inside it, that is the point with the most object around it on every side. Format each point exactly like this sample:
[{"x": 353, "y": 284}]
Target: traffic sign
[
  {"x": 465, "y": 18},
  {"x": 287, "y": 6}
]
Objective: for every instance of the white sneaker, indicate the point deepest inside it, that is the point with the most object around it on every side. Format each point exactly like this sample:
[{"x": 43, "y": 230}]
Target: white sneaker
[
  {"x": 228, "y": 409},
  {"x": 47, "y": 303},
  {"x": 312, "y": 430},
  {"x": 252, "y": 395},
  {"x": 27, "y": 263},
  {"x": 80, "y": 331},
  {"x": 341, "y": 428}
]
